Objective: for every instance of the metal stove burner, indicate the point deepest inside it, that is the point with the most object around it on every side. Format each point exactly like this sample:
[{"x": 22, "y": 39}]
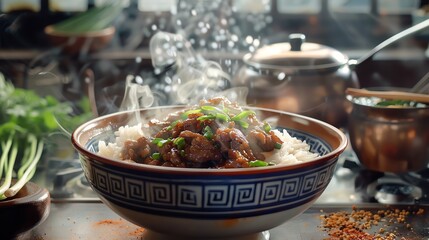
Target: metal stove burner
[
  {"x": 390, "y": 193},
  {"x": 389, "y": 188}
]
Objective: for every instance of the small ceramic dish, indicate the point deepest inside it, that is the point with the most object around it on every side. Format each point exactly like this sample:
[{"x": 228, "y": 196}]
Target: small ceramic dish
[
  {"x": 76, "y": 43},
  {"x": 25, "y": 211}
]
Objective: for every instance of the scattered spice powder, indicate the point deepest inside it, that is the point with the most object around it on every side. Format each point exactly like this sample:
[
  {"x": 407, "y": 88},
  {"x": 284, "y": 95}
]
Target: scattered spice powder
[
  {"x": 357, "y": 223},
  {"x": 120, "y": 223},
  {"x": 109, "y": 221}
]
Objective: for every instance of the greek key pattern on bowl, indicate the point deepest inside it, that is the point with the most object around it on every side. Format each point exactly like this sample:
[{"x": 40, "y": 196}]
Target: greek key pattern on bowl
[
  {"x": 199, "y": 196},
  {"x": 210, "y": 198}
]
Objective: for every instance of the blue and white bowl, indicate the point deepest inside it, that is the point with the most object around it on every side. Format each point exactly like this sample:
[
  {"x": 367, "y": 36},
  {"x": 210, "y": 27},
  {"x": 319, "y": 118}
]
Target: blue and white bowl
[{"x": 209, "y": 202}]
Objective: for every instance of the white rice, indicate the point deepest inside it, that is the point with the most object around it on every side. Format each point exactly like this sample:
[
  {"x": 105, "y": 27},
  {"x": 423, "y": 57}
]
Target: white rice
[
  {"x": 124, "y": 133},
  {"x": 292, "y": 151}
]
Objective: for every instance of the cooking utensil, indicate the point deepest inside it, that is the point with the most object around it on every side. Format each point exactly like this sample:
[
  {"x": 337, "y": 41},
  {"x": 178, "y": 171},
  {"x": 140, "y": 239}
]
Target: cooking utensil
[
  {"x": 389, "y": 139},
  {"x": 306, "y": 78},
  {"x": 398, "y": 95},
  {"x": 422, "y": 85}
]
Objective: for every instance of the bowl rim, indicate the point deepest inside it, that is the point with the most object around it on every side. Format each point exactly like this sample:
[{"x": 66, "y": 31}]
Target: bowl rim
[
  {"x": 198, "y": 171},
  {"x": 351, "y": 99}
]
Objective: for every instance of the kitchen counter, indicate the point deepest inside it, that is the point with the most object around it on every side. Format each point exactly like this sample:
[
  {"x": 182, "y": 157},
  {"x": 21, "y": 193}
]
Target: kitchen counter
[{"x": 91, "y": 219}]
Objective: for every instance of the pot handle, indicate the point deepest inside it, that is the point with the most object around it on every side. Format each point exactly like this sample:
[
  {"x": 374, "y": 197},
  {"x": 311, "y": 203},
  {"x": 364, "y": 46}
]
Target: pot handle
[{"x": 409, "y": 31}]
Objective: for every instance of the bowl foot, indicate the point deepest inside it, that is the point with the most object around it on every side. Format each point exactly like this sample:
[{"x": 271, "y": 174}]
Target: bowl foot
[{"x": 151, "y": 235}]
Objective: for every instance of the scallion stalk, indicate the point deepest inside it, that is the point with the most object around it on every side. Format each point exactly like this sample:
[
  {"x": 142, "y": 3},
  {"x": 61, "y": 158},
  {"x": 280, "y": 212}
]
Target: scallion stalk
[{"x": 9, "y": 171}]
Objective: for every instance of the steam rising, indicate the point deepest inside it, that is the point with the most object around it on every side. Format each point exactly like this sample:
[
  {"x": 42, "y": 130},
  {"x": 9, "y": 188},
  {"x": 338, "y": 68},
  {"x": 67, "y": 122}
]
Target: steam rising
[{"x": 195, "y": 78}]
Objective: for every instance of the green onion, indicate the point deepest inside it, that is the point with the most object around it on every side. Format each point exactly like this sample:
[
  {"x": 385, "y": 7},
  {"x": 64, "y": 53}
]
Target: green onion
[
  {"x": 156, "y": 156},
  {"x": 394, "y": 103},
  {"x": 209, "y": 109},
  {"x": 242, "y": 115},
  {"x": 206, "y": 117},
  {"x": 267, "y": 127},
  {"x": 223, "y": 117},
  {"x": 179, "y": 142},
  {"x": 220, "y": 114},
  {"x": 208, "y": 133},
  {"x": 277, "y": 145},
  {"x": 160, "y": 141},
  {"x": 172, "y": 125},
  {"x": 258, "y": 163},
  {"x": 189, "y": 112},
  {"x": 25, "y": 120},
  {"x": 242, "y": 123}
]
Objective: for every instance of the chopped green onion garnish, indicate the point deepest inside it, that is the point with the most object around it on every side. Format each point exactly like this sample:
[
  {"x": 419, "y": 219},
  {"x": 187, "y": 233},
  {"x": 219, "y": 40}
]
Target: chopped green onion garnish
[
  {"x": 172, "y": 125},
  {"x": 179, "y": 142},
  {"x": 156, "y": 156},
  {"x": 267, "y": 127},
  {"x": 205, "y": 117},
  {"x": 182, "y": 153},
  {"x": 187, "y": 113},
  {"x": 222, "y": 117},
  {"x": 243, "y": 124},
  {"x": 219, "y": 113},
  {"x": 208, "y": 133},
  {"x": 277, "y": 145},
  {"x": 160, "y": 141},
  {"x": 242, "y": 115},
  {"x": 209, "y": 108},
  {"x": 258, "y": 163}
]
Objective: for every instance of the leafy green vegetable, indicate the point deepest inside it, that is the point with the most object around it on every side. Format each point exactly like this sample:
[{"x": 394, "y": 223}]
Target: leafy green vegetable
[
  {"x": 26, "y": 119},
  {"x": 94, "y": 19},
  {"x": 386, "y": 103}
]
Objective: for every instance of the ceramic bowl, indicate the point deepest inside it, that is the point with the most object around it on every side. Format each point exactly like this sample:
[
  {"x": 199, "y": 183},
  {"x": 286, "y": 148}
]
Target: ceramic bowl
[
  {"x": 389, "y": 139},
  {"x": 25, "y": 211},
  {"x": 76, "y": 43},
  {"x": 209, "y": 202}
]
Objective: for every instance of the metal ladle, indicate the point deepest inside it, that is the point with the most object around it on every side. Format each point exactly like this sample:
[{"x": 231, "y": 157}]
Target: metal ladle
[{"x": 422, "y": 86}]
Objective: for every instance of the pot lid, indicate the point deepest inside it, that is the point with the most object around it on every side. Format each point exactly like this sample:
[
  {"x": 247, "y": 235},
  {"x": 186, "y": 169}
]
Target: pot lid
[{"x": 296, "y": 54}]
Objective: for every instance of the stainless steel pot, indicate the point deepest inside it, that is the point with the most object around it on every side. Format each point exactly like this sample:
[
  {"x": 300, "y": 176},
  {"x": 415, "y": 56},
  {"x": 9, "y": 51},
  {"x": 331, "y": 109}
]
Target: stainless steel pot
[
  {"x": 306, "y": 78},
  {"x": 390, "y": 139}
]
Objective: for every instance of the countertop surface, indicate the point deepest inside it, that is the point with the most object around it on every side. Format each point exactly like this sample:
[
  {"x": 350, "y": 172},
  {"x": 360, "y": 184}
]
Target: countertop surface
[{"x": 94, "y": 220}]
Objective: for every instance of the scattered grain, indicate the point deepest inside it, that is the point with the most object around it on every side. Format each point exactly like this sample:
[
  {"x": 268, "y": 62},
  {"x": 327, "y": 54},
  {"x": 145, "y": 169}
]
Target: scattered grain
[{"x": 359, "y": 223}]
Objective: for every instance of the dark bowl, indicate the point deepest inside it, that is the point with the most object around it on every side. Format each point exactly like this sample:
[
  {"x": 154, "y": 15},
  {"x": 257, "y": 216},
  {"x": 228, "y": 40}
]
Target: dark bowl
[
  {"x": 75, "y": 43},
  {"x": 25, "y": 211}
]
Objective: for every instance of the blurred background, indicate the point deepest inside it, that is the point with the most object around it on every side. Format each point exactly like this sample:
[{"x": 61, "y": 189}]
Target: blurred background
[
  {"x": 100, "y": 66},
  {"x": 220, "y": 30}
]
